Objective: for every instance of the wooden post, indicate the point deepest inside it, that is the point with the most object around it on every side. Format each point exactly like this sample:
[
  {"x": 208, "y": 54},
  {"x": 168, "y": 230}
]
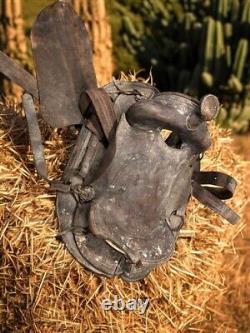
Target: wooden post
[
  {"x": 94, "y": 14},
  {"x": 12, "y": 39}
]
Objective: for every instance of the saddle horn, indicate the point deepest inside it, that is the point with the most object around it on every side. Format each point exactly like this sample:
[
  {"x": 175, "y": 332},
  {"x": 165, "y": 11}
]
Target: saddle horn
[{"x": 179, "y": 113}]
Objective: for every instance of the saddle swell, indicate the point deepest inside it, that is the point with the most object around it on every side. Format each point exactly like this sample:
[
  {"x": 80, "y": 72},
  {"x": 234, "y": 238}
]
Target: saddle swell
[
  {"x": 123, "y": 95},
  {"x": 140, "y": 193}
]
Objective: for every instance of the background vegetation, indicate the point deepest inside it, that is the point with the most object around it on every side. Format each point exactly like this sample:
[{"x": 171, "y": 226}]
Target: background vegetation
[{"x": 192, "y": 46}]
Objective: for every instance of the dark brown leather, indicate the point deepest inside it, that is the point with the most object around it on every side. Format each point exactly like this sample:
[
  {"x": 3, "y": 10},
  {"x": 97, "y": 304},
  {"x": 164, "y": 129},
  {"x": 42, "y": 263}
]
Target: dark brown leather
[
  {"x": 63, "y": 61},
  {"x": 122, "y": 198},
  {"x": 210, "y": 200},
  {"x": 102, "y": 107},
  {"x": 18, "y": 75},
  {"x": 104, "y": 226}
]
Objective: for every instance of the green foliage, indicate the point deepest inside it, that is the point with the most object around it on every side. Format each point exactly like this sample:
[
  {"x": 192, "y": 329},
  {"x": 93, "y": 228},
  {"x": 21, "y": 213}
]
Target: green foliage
[{"x": 192, "y": 46}]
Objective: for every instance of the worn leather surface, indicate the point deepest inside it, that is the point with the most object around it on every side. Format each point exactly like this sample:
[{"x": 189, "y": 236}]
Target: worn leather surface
[
  {"x": 63, "y": 60},
  {"x": 141, "y": 183},
  {"x": 138, "y": 191},
  {"x": 122, "y": 198}
]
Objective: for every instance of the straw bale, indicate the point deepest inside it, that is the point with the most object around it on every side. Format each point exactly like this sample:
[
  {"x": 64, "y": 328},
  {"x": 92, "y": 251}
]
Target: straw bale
[{"x": 43, "y": 289}]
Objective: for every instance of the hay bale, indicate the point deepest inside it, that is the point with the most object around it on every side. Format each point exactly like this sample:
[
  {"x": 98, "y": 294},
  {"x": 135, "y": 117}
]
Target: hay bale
[
  {"x": 230, "y": 311},
  {"x": 44, "y": 290}
]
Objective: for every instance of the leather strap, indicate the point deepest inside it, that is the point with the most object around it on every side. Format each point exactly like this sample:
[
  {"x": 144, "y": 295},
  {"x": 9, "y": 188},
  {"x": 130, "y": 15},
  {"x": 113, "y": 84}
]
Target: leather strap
[
  {"x": 103, "y": 110},
  {"x": 102, "y": 122},
  {"x": 35, "y": 135},
  {"x": 211, "y": 196},
  {"x": 217, "y": 183}
]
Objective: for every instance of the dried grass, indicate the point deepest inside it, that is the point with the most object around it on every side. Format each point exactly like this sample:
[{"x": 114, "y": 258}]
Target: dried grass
[{"x": 44, "y": 290}]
